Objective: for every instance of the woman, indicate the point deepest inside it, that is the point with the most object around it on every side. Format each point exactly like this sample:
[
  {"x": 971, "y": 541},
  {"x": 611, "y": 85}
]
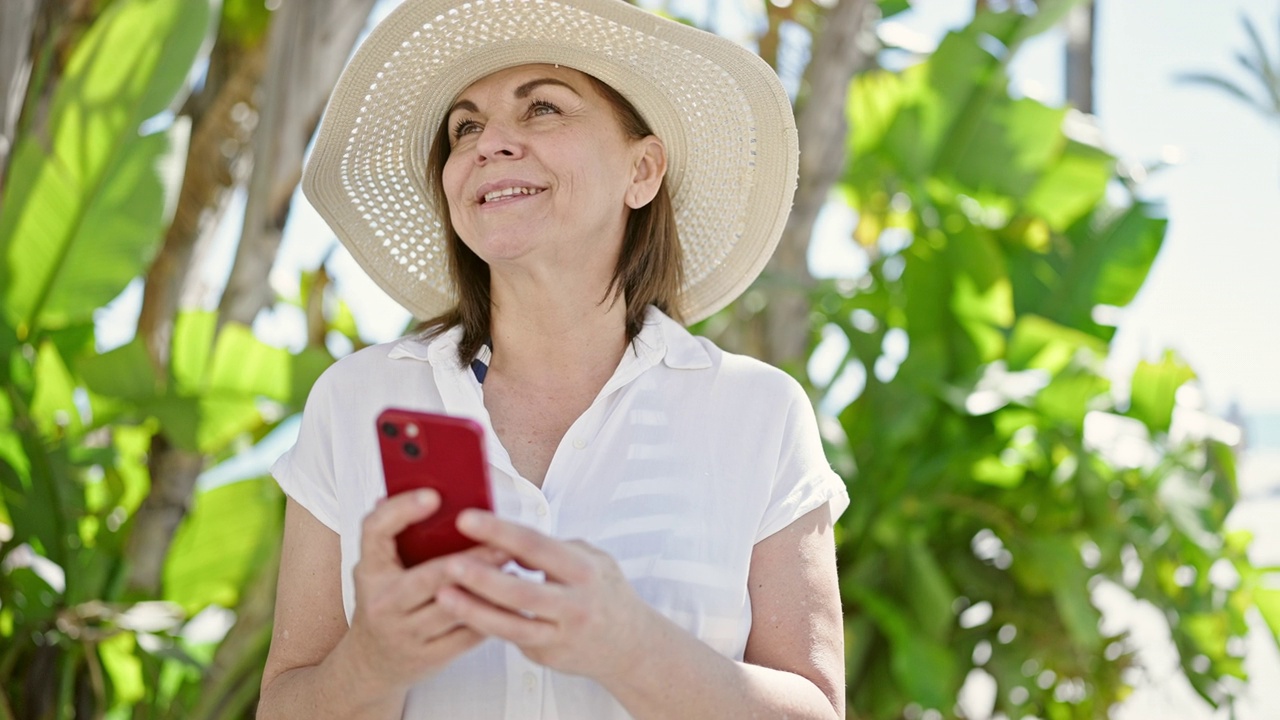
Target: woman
[{"x": 552, "y": 183}]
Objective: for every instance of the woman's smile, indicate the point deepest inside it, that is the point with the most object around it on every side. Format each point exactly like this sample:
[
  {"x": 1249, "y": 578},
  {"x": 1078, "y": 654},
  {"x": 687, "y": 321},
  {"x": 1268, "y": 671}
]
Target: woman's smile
[
  {"x": 502, "y": 192},
  {"x": 538, "y": 159}
]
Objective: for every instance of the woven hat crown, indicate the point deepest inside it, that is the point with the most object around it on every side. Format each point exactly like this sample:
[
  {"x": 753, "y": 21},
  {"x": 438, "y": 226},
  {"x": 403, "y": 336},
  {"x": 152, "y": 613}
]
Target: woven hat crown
[{"x": 719, "y": 109}]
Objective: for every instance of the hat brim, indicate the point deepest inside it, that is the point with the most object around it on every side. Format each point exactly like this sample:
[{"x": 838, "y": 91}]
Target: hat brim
[{"x": 720, "y": 110}]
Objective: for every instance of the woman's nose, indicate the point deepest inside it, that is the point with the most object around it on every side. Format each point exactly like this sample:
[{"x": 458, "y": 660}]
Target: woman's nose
[{"x": 498, "y": 140}]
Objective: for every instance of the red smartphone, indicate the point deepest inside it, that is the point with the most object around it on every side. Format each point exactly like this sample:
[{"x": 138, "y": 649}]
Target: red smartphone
[{"x": 441, "y": 452}]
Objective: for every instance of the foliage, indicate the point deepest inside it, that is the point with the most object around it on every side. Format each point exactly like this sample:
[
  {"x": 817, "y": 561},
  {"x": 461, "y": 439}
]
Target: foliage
[
  {"x": 90, "y": 197},
  {"x": 999, "y": 484}
]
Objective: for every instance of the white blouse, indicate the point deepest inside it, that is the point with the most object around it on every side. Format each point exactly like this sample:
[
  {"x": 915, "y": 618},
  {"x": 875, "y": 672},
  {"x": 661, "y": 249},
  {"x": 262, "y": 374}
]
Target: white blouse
[{"x": 687, "y": 458}]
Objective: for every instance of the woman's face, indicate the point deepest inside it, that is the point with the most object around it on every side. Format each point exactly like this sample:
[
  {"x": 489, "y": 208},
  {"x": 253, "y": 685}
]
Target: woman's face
[{"x": 540, "y": 170}]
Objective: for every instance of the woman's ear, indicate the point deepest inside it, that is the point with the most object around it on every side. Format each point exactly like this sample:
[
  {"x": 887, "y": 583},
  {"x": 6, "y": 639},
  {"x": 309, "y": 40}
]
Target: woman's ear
[{"x": 650, "y": 167}]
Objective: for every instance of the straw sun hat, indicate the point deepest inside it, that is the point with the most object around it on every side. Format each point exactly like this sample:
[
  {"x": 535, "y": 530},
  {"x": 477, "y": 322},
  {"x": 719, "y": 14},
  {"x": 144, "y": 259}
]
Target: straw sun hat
[{"x": 720, "y": 110}]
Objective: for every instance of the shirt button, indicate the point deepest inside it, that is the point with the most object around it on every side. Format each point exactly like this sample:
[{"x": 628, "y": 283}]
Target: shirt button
[
  {"x": 579, "y": 443},
  {"x": 530, "y": 682},
  {"x": 542, "y": 511}
]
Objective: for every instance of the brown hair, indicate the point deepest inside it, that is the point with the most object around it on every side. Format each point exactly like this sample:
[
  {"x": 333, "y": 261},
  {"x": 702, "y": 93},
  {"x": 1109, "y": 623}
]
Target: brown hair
[{"x": 649, "y": 270}]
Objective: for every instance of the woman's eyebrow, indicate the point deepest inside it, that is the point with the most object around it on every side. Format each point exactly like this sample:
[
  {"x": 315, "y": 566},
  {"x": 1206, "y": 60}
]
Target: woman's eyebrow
[
  {"x": 523, "y": 91},
  {"x": 462, "y": 105}
]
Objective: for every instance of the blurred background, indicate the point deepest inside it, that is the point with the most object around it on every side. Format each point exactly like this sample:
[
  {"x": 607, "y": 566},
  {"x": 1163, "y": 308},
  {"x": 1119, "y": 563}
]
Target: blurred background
[{"x": 1026, "y": 281}]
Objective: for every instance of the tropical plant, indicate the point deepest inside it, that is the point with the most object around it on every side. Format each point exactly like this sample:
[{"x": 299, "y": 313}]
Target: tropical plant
[
  {"x": 993, "y": 497},
  {"x": 1263, "y": 72},
  {"x": 111, "y": 555},
  {"x": 1000, "y": 486}
]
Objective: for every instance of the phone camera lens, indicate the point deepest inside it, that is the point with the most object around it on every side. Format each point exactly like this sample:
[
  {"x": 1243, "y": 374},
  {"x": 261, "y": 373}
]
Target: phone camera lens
[
  {"x": 412, "y": 450},
  {"x": 389, "y": 429}
]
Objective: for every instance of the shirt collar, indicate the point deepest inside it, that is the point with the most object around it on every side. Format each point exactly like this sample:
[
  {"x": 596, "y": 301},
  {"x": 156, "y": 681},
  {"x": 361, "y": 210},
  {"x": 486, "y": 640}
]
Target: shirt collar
[
  {"x": 660, "y": 337},
  {"x": 669, "y": 340}
]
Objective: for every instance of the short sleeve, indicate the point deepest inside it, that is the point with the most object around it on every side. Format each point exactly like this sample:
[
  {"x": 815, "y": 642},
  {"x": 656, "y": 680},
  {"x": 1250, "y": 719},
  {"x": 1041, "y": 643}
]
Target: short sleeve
[
  {"x": 305, "y": 472},
  {"x": 803, "y": 480}
]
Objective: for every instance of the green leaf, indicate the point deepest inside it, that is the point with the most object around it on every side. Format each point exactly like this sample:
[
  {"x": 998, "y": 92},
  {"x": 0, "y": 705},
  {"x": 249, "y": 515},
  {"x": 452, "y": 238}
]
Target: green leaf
[
  {"x": 39, "y": 497},
  {"x": 205, "y": 424},
  {"x": 1071, "y": 395},
  {"x": 1104, "y": 261},
  {"x": 125, "y": 372},
  {"x": 35, "y": 601},
  {"x": 193, "y": 343},
  {"x": 244, "y": 365},
  {"x": 223, "y": 419},
  {"x": 53, "y": 407},
  {"x": 933, "y": 594},
  {"x": 1071, "y": 186},
  {"x": 1154, "y": 390},
  {"x": 305, "y": 368},
  {"x": 220, "y": 542},
  {"x": 124, "y": 668},
  {"x": 992, "y": 470},
  {"x": 244, "y": 22},
  {"x": 889, "y": 8},
  {"x": 981, "y": 296},
  {"x": 1125, "y": 254},
  {"x": 926, "y": 671},
  {"x": 1011, "y": 147},
  {"x": 1041, "y": 344},
  {"x": 86, "y": 203},
  {"x": 1268, "y": 603}
]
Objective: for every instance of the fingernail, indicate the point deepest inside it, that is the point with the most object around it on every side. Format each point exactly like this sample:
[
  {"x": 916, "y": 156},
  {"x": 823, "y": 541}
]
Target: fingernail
[
  {"x": 468, "y": 520},
  {"x": 423, "y": 497}
]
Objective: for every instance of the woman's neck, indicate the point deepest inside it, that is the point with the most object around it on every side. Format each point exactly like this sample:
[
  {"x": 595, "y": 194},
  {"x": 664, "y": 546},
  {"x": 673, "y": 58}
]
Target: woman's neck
[{"x": 543, "y": 337}]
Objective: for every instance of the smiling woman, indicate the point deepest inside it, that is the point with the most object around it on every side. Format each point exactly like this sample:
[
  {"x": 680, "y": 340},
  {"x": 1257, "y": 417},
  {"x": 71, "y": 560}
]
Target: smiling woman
[{"x": 555, "y": 186}]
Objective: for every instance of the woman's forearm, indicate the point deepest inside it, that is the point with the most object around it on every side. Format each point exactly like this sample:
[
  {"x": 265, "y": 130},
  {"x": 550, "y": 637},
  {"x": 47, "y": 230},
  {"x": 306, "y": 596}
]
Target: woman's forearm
[
  {"x": 680, "y": 676},
  {"x": 336, "y": 688}
]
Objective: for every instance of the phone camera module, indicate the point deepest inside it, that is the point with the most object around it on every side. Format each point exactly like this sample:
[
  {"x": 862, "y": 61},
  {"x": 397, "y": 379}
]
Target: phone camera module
[
  {"x": 389, "y": 429},
  {"x": 412, "y": 450}
]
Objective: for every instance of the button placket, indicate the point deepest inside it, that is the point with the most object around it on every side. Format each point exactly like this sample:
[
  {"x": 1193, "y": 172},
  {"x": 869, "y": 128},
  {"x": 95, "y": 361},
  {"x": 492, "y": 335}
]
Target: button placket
[{"x": 526, "y": 684}]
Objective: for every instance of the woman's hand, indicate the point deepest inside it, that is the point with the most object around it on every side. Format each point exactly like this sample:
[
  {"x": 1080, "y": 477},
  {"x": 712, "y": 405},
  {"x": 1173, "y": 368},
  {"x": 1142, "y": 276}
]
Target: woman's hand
[
  {"x": 399, "y": 633},
  {"x": 586, "y": 619}
]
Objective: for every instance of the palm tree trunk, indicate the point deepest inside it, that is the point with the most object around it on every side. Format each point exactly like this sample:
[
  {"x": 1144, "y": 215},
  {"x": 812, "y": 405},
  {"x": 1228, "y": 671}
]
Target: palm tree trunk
[
  {"x": 1081, "y": 25},
  {"x": 839, "y": 51},
  {"x": 17, "y": 22},
  {"x": 309, "y": 44},
  {"x": 305, "y": 50}
]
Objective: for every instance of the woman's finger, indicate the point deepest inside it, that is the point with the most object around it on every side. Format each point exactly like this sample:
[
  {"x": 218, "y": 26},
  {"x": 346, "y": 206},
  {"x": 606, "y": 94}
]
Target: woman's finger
[
  {"x": 420, "y": 582},
  {"x": 487, "y": 619},
  {"x": 530, "y": 548},
  {"x": 388, "y": 518},
  {"x": 544, "y": 600},
  {"x": 454, "y": 642}
]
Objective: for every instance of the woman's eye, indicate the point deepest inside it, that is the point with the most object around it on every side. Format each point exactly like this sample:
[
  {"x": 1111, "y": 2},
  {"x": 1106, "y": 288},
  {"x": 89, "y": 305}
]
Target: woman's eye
[
  {"x": 465, "y": 127},
  {"x": 542, "y": 107}
]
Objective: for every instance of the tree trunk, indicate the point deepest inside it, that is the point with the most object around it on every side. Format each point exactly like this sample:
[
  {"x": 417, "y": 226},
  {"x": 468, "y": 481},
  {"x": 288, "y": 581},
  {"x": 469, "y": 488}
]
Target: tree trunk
[
  {"x": 295, "y": 68},
  {"x": 840, "y": 50},
  {"x": 219, "y": 139},
  {"x": 309, "y": 42},
  {"x": 1081, "y": 25},
  {"x": 17, "y": 22},
  {"x": 173, "y": 480}
]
